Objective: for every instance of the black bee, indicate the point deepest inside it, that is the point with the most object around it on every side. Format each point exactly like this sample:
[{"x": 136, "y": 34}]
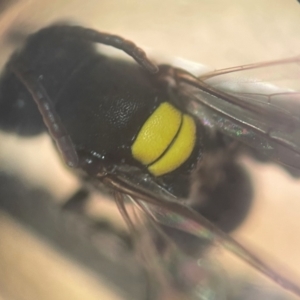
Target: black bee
[{"x": 151, "y": 134}]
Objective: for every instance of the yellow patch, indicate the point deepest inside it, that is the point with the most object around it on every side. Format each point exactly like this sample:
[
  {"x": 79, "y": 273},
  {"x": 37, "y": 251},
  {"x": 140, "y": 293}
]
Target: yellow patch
[
  {"x": 179, "y": 151},
  {"x": 156, "y": 134},
  {"x": 166, "y": 140}
]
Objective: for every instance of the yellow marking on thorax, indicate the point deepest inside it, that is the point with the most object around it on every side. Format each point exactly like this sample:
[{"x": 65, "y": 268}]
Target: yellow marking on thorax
[
  {"x": 179, "y": 151},
  {"x": 156, "y": 134},
  {"x": 166, "y": 140}
]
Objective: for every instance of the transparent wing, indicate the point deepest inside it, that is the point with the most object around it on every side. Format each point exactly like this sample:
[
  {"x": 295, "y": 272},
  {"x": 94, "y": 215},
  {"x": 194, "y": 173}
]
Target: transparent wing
[
  {"x": 167, "y": 210},
  {"x": 174, "y": 274},
  {"x": 256, "y": 104}
]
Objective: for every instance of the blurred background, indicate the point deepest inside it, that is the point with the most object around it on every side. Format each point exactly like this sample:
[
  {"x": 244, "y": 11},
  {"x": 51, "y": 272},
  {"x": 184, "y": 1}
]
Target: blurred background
[{"x": 45, "y": 253}]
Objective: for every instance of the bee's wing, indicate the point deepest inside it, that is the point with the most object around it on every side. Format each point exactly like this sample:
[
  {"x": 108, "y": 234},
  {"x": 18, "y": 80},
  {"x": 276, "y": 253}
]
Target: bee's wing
[
  {"x": 177, "y": 275},
  {"x": 172, "y": 212},
  {"x": 257, "y": 104}
]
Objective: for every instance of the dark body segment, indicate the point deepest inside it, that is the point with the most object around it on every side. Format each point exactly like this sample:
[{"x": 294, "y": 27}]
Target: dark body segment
[
  {"x": 102, "y": 102},
  {"x": 112, "y": 99}
]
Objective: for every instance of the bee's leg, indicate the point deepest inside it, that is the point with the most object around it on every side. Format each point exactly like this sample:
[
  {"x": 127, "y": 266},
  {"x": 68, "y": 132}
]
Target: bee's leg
[
  {"x": 77, "y": 201},
  {"x": 47, "y": 110},
  {"x": 99, "y": 231},
  {"x": 115, "y": 41}
]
